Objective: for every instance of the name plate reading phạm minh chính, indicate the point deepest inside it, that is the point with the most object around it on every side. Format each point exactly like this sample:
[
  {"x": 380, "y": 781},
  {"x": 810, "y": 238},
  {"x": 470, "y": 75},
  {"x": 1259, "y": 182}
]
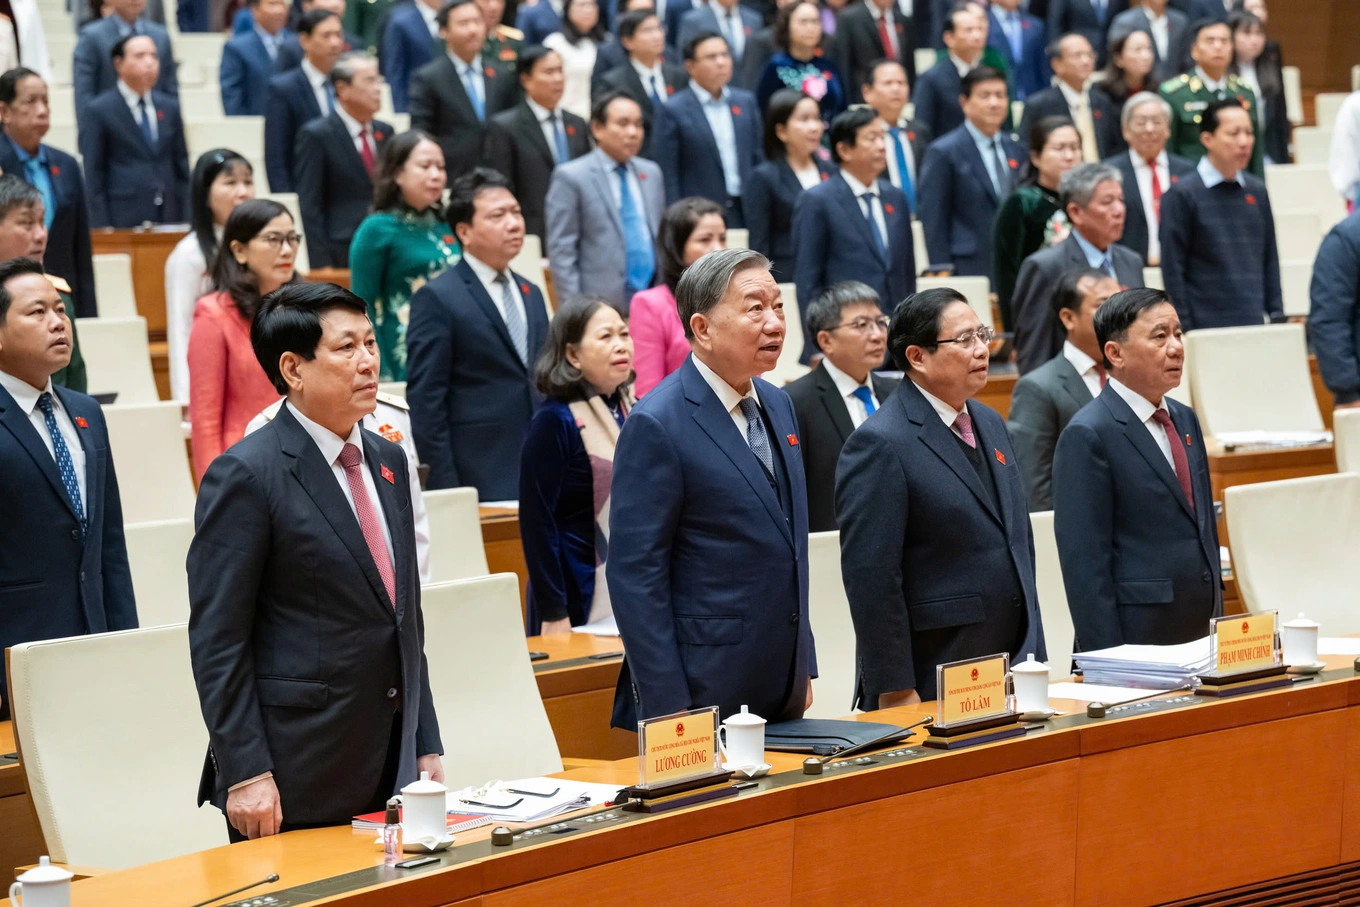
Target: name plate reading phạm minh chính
[
  {"x": 972, "y": 689},
  {"x": 677, "y": 747},
  {"x": 1244, "y": 642}
]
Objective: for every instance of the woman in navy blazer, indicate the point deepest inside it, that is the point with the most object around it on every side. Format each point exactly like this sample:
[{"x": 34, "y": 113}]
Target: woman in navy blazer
[{"x": 793, "y": 141}]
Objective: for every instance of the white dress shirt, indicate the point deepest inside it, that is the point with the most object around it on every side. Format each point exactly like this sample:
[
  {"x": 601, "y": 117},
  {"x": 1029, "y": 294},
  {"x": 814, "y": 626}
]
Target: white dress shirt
[
  {"x": 358, "y": 131},
  {"x": 718, "y": 112},
  {"x": 611, "y": 168},
  {"x": 730, "y": 26},
  {"x": 26, "y": 396},
  {"x": 809, "y": 177},
  {"x": 1210, "y": 83},
  {"x": 963, "y": 67},
  {"x": 548, "y": 127},
  {"x": 133, "y": 101},
  {"x": 1160, "y": 27},
  {"x": 729, "y": 397},
  {"x": 893, "y": 176},
  {"x": 860, "y": 189},
  {"x": 470, "y": 71},
  {"x": 1142, "y": 411},
  {"x": 1211, "y": 177},
  {"x": 1344, "y": 161},
  {"x": 947, "y": 413},
  {"x": 847, "y": 387},
  {"x": 892, "y": 32},
  {"x": 186, "y": 282},
  {"x": 653, "y": 79},
  {"x": 1079, "y": 105},
  {"x": 318, "y": 80},
  {"x": 431, "y": 16},
  {"x": 1085, "y": 366},
  {"x": 1143, "y": 173},
  {"x": 488, "y": 276}
]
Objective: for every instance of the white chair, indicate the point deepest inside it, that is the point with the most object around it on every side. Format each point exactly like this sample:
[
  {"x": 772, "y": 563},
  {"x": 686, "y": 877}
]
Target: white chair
[
  {"x": 400, "y": 122},
  {"x": 113, "y": 285},
  {"x": 63, "y": 136},
  {"x": 1312, "y": 145},
  {"x": 738, "y": 238},
  {"x": 925, "y": 58},
  {"x": 1327, "y": 105},
  {"x": 61, "y": 101},
  {"x": 1152, "y": 278},
  {"x": 829, "y": 613},
  {"x": 113, "y": 744},
  {"x": 1346, "y": 434},
  {"x": 1296, "y": 277},
  {"x": 918, "y": 246},
  {"x": 1294, "y": 545},
  {"x": 244, "y": 135},
  {"x": 1355, "y": 78},
  {"x": 456, "y": 548},
  {"x": 1048, "y": 582},
  {"x": 1293, "y": 94},
  {"x": 395, "y": 388},
  {"x": 977, "y": 290},
  {"x": 387, "y": 108},
  {"x": 290, "y": 201},
  {"x": 117, "y": 359},
  {"x": 61, "y": 46},
  {"x": 483, "y": 683},
  {"x": 1252, "y": 378},
  {"x": 1298, "y": 233},
  {"x": 203, "y": 49},
  {"x": 529, "y": 262},
  {"x": 202, "y": 102},
  {"x": 1306, "y": 186},
  {"x": 261, "y": 176},
  {"x": 147, "y": 443},
  {"x": 156, "y": 555},
  {"x": 788, "y": 368}
]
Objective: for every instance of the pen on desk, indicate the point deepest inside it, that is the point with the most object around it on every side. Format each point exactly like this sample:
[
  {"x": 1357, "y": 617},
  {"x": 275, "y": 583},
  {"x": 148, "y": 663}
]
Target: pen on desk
[
  {"x": 600, "y": 656},
  {"x": 492, "y": 805},
  {"x": 531, "y": 793}
]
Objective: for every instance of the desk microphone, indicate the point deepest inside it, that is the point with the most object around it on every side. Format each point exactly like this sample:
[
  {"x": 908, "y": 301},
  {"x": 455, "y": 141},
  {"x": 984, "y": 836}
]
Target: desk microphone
[
  {"x": 812, "y": 765},
  {"x": 272, "y": 877}
]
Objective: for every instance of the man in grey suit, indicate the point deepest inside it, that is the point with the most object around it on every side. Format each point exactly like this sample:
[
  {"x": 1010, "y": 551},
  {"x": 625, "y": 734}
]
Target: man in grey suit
[
  {"x": 1093, "y": 197},
  {"x": 1046, "y": 399},
  {"x": 604, "y": 209},
  {"x": 92, "y": 63}
]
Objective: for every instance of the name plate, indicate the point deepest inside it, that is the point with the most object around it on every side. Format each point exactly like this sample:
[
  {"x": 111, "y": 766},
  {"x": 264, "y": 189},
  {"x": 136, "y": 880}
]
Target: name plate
[
  {"x": 677, "y": 747},
  {"x": 1244, "y": 642},
  {"x": 972, "y": 689}
]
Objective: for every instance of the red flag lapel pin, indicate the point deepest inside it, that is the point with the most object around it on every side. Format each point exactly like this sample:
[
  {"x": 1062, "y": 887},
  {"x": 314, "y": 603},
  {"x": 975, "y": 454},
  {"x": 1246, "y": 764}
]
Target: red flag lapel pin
[
  {"x": 1000, "y": 457},
  {"x": 793, "y": 440},
  {"x": 81, "y": 423},
  {"x": 387, "y": 474},
  {"x": 736, "y": 111}
]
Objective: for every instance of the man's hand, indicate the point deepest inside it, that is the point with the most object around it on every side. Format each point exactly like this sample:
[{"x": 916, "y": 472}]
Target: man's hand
[
  {"x": 808, "y": 703},
  {"x": 555, "y": 626},
  {"x": 901, "y": 697},
  {"x": 254, "y": 810},
  {"x": 432, "y": 765}
]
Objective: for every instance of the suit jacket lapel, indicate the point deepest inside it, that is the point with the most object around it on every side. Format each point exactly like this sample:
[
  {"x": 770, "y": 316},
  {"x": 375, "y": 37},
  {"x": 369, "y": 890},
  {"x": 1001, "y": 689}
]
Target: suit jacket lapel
[
  {"x": 981, "y": 170},
  {"x": 453, "y": 86},
  {"x": 533, "y": 133},
  {"x": 602, "y": 178},
  {"x": 1002, "y": 473},
  {"x": 308, "y": 96},
  {"x": 940, "y": 439},
  {"x": 835, "y": 404},
  {"x": 846, "y": 196},
  {"x": 1073, "y": 383},
  {"x": 535, "y": 316},
  {"x": 136, "y": 137},
  {"x": 18, "y": 424},
  {"x": 696, "y": 113},
  {"x": 1138, "y": 435},
  {"x": 783, "y": 430},
  {"x": 345, "y": 142},
  {"x": 483, "y": 300},
  {"x": 391, "y": 506}
]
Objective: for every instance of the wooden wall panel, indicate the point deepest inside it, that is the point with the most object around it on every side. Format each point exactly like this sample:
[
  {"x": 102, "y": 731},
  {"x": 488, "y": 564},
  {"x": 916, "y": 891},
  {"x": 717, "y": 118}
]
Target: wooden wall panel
[
  {"x": 1350, "y": 810},
  {"x": 1321, "y": 37}
]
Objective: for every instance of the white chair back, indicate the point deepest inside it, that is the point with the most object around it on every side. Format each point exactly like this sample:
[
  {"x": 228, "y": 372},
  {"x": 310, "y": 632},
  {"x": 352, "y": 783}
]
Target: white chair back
[
  {"x": 1327, "y": 104},
  {"x": 738, "y": 238},
  {"x": 244, "y": 135},
  {"x": 1294, "y": 545},
  {"x": 1312, "y": 145},
  {"x": 456, "y": 549},
  {"x": 1346, "y": 435},
  {"x": 829, "y": 613},
  {"x": 1307, "y": 186},
  {"x": 116, "y": 358},
  {"x": 400, "y": 122},
  {"x": 113, "y": 745},
  {"x": 156, "y": 555},
  {"x": 63, "y": 136},
  {"x": 529, "y": 263},
  {"x": 201, "y": 48},
  {"x": 1152, "y": 278},
  {"x": 788, "y": 368},
  {"x": 202, "y": 102},
  {"x": 1252, "y": 379},
  {"x": 1048, "y": 581},
  {"x": 387, "y": 107},
  {"x": 918, "y": 246},
  {"x": 147, "y": 444},
  {"x": 113, "y": 285},
  {"x": 290, "y": 201},
  {"x": 977, "y": 290},
  {"x": 61, "y": 100},
  {"x": 1293, "y": 94},
  {"x": 61, "y": 48},
  {"x": 1298, "y": 233},
  {"x": 1296, "y": 279},
  {"x": 1355, "y": 78},
  {"x": 473, "y": 632}
]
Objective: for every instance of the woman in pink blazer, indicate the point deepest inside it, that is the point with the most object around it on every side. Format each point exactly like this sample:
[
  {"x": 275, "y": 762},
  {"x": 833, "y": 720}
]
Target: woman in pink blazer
[
  {"x": 227, "y": 387},
  {"x": 690, "y": 228}
]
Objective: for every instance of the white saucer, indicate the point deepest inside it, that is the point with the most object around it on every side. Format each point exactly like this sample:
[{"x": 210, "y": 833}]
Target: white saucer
[
  {"x": 421, "y": 846},
  {"x": 1313, "y": 668},
  {"x": 748, "y": 771},
  {"x": 1038, "y": 715}
]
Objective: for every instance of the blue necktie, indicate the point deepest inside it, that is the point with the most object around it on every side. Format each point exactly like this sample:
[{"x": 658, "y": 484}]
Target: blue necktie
[
  {"x": 637, "y": 238},
  {"x": 37, "y": 176},
  {"x": 63, "y": 456},
  {"x": 514, "y": 321},
  {"x": 879, "y": 243},
  {"x": 563, "y": 155},
  {"x": 1100, "y": 10},
  {"x": 658, "y": 92},
  {"x": 1014, "y": 38},
  {"x": 903, "y": 174},
  {"x": 755, "y": 433},
  {"x": 1108, "y": 265},
  {"x": 146, "y": 124},
  {"x": 330, "y": 97},
  {"x": 471, "y": 84},
  {"x": 863, "y": 396}
]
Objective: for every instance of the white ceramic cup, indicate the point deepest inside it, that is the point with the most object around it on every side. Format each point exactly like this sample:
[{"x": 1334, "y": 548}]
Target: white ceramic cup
[
  {"x": 424, "y": 808},
  {"x": 1300, "y": 637},
  {"x": 44, "y": 885},
  {"x": 1030, "y": 678},
  {"x": 742, "y": 739}
]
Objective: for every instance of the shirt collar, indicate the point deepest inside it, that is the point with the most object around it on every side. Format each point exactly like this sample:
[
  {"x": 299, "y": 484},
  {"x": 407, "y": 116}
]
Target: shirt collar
[
  {"x": 963, "y": 67},
  {"x": 703, "y": 95},
  {"x": 1209, "y": 173},
  {"x": 266, "y": 37},
  {"x": 461, "y": 67},
  {"x": 876, "y": 12},
  {"x": 1139, "y": 164},
  {"x": 352, "y": 126},
  {"x": 541, "y": 113},
  {"x": 1072, "y": 97},
  {"x": 728, "y": 395},
  {"x": 315, "y": 77},
  {"x": 646, "y": 73},
  {"x": 948, "y": 413},
  {"x": 1094, "y": 257},
  {"x": 24, "y": 394},
  {"x": 609, "y": 164},
  {"x": 844, "y": 383},
  {"x": 328, "y": 442},
  {"x": 131, "y": 97},
  {"x": 122, "y": 24},
  {"x": 23, "y": 155},
  {"x": 485, "y": 273},
  {"x": 426, "y": 13},
  {"x": 1142, "y": 407},
  {"x": 1080, "y": 361},
  {"x": 1210, "y": 83},
  {"x": 720, "y": 12},
  {"x": 978, "y": 137},
  {"x": 856, "y": 186}
]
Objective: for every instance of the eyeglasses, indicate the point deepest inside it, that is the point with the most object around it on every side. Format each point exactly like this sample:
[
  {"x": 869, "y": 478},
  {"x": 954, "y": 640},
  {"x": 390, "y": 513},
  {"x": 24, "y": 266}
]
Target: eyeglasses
[
  {"x": 277, "y": 240},
  {"x": 865, "y": 325},
  {"x": 968, "y": 338}
]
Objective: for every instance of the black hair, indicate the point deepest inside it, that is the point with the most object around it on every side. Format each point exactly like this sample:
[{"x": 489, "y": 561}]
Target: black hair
[
  {"x": 119, "y": 49},
  {"x": 1068, "y": 295},
  {"x": 632, "y": 20},
  {"x": 207, "y": 168},
  {"x": 395, "y": 153},
  {"x": 530, "y": 57},
  {"x": 289, "y": 321},
  {"x": 599, "y": 111},
  {"x": 245, "y": 223},
  {"x": 312, "y": 18},
  {"x": 871, "y": 71},
  {"x": 1039, "y": 134},
  {"x": 692, "y": 45},
  {"x": 15, "y": 267},
  {"x": 556, "y": 378},
  {"x": 1119, "y": 312},
  {"x": 1199, "y": 25},
  {"x": 464, "y": 191},
  {"x": 961, "y": 7},
  {"x": 824, "y": 314},
  {"x": 1209, "y": 120},
  {"x": 1268, "y": 76},
  {"x": 16, "y": 192},
  {"x": 780, "y": 33},
  {"x": 442, "y": 17},
  {"x": 916, "y": 322},
  {"x": 574, "y": 37},
  {"x": 778, "y": 111},
  {"x": 678, "y": 223},
  {"x": 846, "y": 126},
  {"x": 976, "y": 76},
  {"x": 9, "y": 82},
  {"x": 1113, "y": 82}
]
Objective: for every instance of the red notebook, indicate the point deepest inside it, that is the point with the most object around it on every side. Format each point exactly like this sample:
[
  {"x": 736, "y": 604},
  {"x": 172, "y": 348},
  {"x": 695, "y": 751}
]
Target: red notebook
[{"x": 457, "y": 822}]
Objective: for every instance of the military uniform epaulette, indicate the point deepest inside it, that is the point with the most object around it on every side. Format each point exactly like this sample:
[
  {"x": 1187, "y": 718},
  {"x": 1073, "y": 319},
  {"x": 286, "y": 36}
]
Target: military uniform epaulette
[
  {"x": 61, "y": 285},
  {"x": 394, "y": 401},
  {"x": 509, "y": 33},
  {"x": 1176, "y": 82}
]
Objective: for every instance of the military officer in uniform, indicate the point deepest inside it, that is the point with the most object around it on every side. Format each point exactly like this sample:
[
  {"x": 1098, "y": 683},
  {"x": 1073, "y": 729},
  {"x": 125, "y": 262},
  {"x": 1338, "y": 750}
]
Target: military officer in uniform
[
  {"x": 502, "y": 42},
  {"x": 1189, "y": 93},
  {"x": 392, "y": 420}
]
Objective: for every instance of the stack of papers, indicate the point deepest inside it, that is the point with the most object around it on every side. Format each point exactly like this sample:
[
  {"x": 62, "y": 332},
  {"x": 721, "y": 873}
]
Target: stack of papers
[
  {"x": 530, "y": 799},
  {"x": 1146, "y": 667},
  {"x": 604, "y": 627},
  {"x": 1274, "y": 438}
]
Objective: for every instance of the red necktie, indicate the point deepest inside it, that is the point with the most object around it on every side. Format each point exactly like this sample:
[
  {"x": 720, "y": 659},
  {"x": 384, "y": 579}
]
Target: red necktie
[
  {"x": 888, "y": 52},
  {"x": 1163, "y": 418},
  {"x": 1100, "y": 370},
  {"x": 1156, "y": 190},
  {"x": 964, "y": 423},
  {"x": 368, "y": 518},
  {"x": 366, "y": 151}
]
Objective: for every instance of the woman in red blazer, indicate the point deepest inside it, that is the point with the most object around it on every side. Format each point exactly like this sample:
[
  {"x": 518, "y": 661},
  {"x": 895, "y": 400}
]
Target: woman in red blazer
[{"x": 227, "y": 387}]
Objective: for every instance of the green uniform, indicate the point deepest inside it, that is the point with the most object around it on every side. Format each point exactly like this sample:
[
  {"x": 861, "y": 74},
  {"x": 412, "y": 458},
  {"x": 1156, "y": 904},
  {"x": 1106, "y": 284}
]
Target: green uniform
[
  {"x": 1189, "y": 96},
  {"x": 503, "y": 44},
  {"x": 364, "y": 18},
  {"x": 73, "y": 376}
]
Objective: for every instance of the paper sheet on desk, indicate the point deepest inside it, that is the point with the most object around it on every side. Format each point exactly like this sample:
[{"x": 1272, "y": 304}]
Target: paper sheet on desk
[
  {"x": 1274, "y": 438},
  {"x": 1339, "y": 645},
  {"x": 567, "y": 796},
  {"x": 1093, "y": 692},
  {"x": 604, "y": 627}
]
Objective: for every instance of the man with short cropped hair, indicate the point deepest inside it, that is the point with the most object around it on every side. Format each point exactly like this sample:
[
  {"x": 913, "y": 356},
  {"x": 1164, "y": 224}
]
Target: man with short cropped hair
[
  {"x": 1190, "y": 94},
  {"x": 1096, "y": 119},
  {"x": 938, "y": 90},
  {"x": 92, "y": 71},
  {"x": 645, "y": 76},
  {"x": 251, "y": 60},
  {"x": 1148, "y": 172},
  {"x": 302, "y": 94},
  {"x": 885, "y": 89}
]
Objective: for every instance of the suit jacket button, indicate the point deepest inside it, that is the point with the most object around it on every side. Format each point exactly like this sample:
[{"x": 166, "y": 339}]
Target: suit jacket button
[
  {"x": 392, "y": 693},
  {"x": 1206, "y": 576},
  {"x": 82, "y": 576},
  {"x": 75, "y": 535},
  {"x": 793, "y": 618}
]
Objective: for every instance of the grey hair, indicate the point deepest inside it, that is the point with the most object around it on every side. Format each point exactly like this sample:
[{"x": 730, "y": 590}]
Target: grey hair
[
  {"x": 824, "y": 314},
  {"x": 346, "y": 63},
  {"x": 704, "y": 283},
  {"x": 1138, "y": 100},
  {"x": 1078, "y": 185}
]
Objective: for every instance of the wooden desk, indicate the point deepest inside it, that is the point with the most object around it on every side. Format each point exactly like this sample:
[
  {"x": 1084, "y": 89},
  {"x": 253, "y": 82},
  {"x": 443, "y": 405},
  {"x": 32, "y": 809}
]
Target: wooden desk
[
  {"x": 21, "y": 840},
  {"x": 504, "y": 551},
  {"x": 1000, "y": 383},
  {"x": 993, "y": 824},
  {"x": 578, "y": 694}
]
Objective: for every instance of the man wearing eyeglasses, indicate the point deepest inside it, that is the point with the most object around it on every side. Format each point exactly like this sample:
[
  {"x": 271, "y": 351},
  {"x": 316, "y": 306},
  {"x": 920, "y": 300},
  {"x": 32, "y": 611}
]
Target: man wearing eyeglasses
[
  {"x": 836, "y": 397},
  {"x": 936, "y": 553}
]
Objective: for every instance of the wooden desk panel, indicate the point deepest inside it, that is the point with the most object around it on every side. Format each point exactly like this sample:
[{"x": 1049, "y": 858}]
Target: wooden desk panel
[
  {"x": 21, "y": 840},
  {"x": 579, "y": 698},
  {"x": 1350, "y": 807},
  {"x": 504, "y": 551},
  {"x": 1000, "y": 383}
]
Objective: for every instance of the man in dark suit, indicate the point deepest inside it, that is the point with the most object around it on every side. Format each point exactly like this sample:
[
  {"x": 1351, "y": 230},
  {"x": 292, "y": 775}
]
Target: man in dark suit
[
  {"x": 708, "y": 523},
  {"x": 92, "y": 68},
  {"x": 132, "y": 142},
  {"x": 453, "y": 96},
  {"x": 410, "y": 40},
  {"x": 861, "y": 29},
  {"x": 252, "y": 59},
  {"x": 65, "y": 569},
  {"x": 853, "y": 226},
  {"x": 939, "y": 88},
  {"x": 733, "y": 21},
  {"x": 835, "y": 398},
  {"x": 1020, "y": 39},
  {"x": 1166, "y": 27},
  {"x": 475, "y": 333},
  {"x": 302, "y": 94},
  {"x": 1094, "y": 201},
  {"x": 1133, "y": 510},
  {"x": 538, "y": 20},
  {"x": 56, "y": 175},
  {"x": 646, "y": 77},
  {"x": 1096, "y": 119},
  {"x": 314, "y": 714},
  {"x": 335, "y": 158},
  {"x": 936, "y": 552},
  {"x": 885, "y": 90},
  {"x": 1046, "y": 399},
  {"x": 518, "y": 140},
  {"x": 1334, "y": 313},
  {"x": 961, "y": 187},
  {"x": 1148, "y": 171},
  {"x": 1089, "y": 18},
  {"x": 697, "y": 156},
  {"x": 1213, "y": 10}
]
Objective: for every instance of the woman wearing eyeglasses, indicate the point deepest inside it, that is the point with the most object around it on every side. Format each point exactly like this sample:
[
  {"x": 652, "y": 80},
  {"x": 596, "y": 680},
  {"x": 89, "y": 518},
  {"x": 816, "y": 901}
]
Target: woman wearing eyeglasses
[{"x": 227, "y": 387}]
